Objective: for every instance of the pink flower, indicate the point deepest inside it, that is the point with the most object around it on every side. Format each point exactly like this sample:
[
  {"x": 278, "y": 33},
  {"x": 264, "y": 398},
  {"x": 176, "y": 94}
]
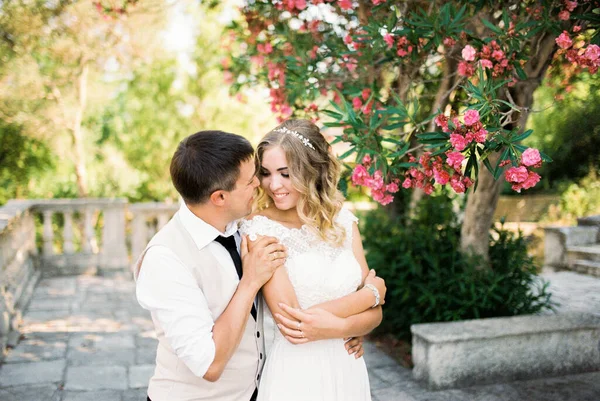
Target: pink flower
[
  {"x": 498, "y": 55},
  {"x": 376, "y": 182},
  {"x": 386, "y": 200},
  {"x": 485, "y": 63},
  {"x": 359, "y": 175},
  {"x": 465, "y": 69},
  {"x": 592, "y": 53},
  {"x": 471, "y": 117},
  {"x": 357, "y": 103},
  {"x": 454, "y": 160},
  {"x": 407, "y": 183},
  {"x": 366, "y": 92},
  {"x": 449, "y": 42},
  {"x": 428, "y": 189},
  {"x": 441, "y": 121},
  {"x": 532, "y": 179},
  {"x": 564, "y": 41},
  {"x": 531, "y": 157},
  {"x": 300, "y": 4},
  {"x": 378, "y": 2},
  {"x": 468, "y": 53},
  {"x": 392, "y": 187},
  {"x": 516, "y": 174},
  {"x": 458, "y": 141},
  {"x": 570, "y": 5},
  {"x": 564, "y": 15},
  {"x": 389, "y": 39},
  {"x": 457, "y": 185},
  {"x": 346, "y": 4},
  {"x": 366, "y": 160},
  {"x": 441, "y": 176},
  {"x": 480, "y": 136}
]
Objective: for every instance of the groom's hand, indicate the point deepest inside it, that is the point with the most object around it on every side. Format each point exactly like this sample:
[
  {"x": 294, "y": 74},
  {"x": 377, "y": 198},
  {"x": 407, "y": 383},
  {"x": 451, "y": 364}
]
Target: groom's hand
[
  {"x": 260, "y": 259},
  {"x": 354, "y": 345}
]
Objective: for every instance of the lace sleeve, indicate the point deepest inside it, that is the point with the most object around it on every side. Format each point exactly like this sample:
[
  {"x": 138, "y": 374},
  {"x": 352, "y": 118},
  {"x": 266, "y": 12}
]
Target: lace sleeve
[{"x": 346, "y": 219}]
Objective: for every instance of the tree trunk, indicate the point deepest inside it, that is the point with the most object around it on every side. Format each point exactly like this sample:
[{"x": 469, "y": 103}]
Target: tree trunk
[
  {"x": 482, "y": 203},
  {"x": 77, "y": 135}
]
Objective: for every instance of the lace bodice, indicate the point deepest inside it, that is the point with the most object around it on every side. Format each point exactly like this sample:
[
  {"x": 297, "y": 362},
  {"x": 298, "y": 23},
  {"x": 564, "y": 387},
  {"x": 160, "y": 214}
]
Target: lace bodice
[{"x": 318, "y": 271}]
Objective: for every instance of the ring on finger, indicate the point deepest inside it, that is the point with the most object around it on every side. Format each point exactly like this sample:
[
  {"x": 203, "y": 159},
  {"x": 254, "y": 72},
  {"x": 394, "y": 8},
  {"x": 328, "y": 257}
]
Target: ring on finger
[{"x": 301, "y": 334}]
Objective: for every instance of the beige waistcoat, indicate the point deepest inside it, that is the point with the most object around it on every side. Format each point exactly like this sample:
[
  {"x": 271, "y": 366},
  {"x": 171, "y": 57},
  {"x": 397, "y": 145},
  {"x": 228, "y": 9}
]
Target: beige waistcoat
[{"x": 172, "y": 380}]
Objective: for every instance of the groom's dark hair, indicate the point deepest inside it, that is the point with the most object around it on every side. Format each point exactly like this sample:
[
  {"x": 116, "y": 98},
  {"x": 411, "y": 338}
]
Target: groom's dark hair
[{"x": 208, "y": 161}]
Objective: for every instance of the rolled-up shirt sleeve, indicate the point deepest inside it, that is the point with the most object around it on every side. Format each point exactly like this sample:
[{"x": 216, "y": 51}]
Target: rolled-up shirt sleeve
[{"x": 169, "y": 290}]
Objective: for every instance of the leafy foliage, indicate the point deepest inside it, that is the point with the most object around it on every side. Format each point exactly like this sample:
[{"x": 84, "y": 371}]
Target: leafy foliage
[{"x": 429, "y": 280}]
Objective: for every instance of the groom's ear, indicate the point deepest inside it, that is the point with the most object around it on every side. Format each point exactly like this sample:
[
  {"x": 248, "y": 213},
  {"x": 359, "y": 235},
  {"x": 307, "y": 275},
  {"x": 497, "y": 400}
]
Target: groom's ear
[{"x": 218, "y": 198}]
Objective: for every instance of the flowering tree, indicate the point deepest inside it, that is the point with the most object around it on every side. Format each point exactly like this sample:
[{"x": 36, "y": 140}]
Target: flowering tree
[{"x": 425, "y": 93}]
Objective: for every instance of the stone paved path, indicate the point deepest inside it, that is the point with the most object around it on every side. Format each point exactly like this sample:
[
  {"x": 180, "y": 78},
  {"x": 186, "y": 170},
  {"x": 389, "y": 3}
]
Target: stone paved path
[{"x": 85, "y": 339}]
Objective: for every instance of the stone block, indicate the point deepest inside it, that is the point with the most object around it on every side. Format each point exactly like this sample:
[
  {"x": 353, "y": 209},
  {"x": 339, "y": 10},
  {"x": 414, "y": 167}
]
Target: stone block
[
  {"x": 16, "y": 374},
  {"x": 97, "y": 395},
  {"x": 466, "y": 353},
  {"x": 96, "y": 378},
  {"x": 44, "y": 392},
  {"x": 558, "y": 239},
  {"x": 140, "y": 375}
]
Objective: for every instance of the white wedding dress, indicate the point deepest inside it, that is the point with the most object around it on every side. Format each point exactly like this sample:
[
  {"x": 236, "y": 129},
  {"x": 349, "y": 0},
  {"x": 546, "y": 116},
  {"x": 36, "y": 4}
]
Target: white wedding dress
[{"x": 318, "y": 370}]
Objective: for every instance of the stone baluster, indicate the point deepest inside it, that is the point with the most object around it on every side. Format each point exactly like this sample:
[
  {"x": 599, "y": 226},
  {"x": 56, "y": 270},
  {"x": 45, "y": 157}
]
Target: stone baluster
[
  {"x": 163, "y": 218},
  {"x": 114, "y": 250},
  {"x": 88, "y": 231},
  {"x": 68, "y": 247},
  {"x": 48, "y": 234},
  {"x": 139, "y": 236}
]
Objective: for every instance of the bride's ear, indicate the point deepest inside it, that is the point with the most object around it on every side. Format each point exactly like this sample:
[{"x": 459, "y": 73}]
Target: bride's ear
[{"x": 217, "y": 198}]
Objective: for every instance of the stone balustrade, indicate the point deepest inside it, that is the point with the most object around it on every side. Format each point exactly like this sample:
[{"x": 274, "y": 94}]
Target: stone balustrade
[{"x": 66, "y": 237}]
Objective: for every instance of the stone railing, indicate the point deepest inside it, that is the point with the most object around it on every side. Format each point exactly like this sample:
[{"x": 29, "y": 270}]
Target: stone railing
[
  {"x": 67, "y": 236},
  {"x": 19, "y": 267}
]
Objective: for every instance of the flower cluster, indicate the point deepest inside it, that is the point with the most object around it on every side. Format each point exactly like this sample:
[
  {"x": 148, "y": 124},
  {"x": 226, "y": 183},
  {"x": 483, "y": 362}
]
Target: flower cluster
[
  {"x": 403, "y": 46},
  {"x": 461, "y": 136},
  {"x": 586, "y": 57},
  {"x": 357, "y": 102},
  {"x": 380, "y": 192},
  {"x": 522, "y": 177},
  {"x": 490, "y": 56},
  {"x": 433, "y": 170}
]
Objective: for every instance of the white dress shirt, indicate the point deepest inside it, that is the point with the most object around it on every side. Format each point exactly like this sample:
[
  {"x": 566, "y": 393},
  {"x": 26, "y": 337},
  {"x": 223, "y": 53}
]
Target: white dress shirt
[{"x": 166, "y": 287}]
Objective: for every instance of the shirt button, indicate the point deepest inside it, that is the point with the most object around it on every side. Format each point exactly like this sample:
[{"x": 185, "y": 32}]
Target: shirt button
[
  {"x": 261, "y": 355},
  {"x": 258, "y": 334},
  {"x": 258, "y": 377}
]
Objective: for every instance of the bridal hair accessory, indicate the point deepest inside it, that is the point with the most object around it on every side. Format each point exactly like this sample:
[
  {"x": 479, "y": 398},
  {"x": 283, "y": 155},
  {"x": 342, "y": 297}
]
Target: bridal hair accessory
[{"x": 304, "y": 139}]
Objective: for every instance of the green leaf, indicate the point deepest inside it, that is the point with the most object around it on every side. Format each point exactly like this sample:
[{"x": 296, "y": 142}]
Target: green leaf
[
  {"x": 524, "y": 135},
  {"x": 520, "y": 71},
  {"x": 347, "y": 153},
  {"x": 493, "y": 27}
]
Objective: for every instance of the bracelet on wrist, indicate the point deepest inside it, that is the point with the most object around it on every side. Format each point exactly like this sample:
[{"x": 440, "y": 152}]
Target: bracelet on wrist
[{"x": 375, "y": 292}]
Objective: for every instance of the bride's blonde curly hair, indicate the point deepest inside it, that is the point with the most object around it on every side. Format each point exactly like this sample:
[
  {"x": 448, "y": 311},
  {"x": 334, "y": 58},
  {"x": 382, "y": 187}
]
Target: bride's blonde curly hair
[{"x": 314, "y": 173}]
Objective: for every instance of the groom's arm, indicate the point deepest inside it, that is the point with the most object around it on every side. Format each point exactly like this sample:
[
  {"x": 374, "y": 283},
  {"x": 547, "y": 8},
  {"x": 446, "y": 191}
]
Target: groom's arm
[{"x": 230, "y": 326}]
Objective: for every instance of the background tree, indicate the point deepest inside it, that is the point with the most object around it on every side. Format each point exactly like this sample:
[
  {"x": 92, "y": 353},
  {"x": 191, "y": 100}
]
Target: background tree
[{"x": 424, "y": 92}]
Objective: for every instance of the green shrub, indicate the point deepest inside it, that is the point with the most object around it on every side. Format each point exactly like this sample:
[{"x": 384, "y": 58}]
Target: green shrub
[
  {"x": 429, "y": 280},
  {"x": 577, "y": 200}
]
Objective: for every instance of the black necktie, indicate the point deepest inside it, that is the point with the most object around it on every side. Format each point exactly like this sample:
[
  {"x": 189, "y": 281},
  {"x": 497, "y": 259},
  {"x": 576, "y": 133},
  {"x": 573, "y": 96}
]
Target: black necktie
[{"x": 229, "y": 244}]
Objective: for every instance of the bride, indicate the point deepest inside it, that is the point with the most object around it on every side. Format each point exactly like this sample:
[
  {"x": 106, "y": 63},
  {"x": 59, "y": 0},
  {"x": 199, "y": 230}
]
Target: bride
[{"x": 326, "y": 282}]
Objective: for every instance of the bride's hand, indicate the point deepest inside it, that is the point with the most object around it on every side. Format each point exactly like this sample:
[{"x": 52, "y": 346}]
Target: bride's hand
[
  {"x": 379, "y": 283},
  {"x": 308, "y": 325}
]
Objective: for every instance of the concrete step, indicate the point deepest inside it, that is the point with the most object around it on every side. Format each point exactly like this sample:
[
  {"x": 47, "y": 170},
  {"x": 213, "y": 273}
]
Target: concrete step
[
  {"x": 588, "y": 267},
  {"x": 583, "y": 252}
]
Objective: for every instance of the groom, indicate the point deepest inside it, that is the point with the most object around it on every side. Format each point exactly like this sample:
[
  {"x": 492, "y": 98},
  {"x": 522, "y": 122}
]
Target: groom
[
  {"x": 190, "y": 276},
  {"x": 200, "y": 292}
]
